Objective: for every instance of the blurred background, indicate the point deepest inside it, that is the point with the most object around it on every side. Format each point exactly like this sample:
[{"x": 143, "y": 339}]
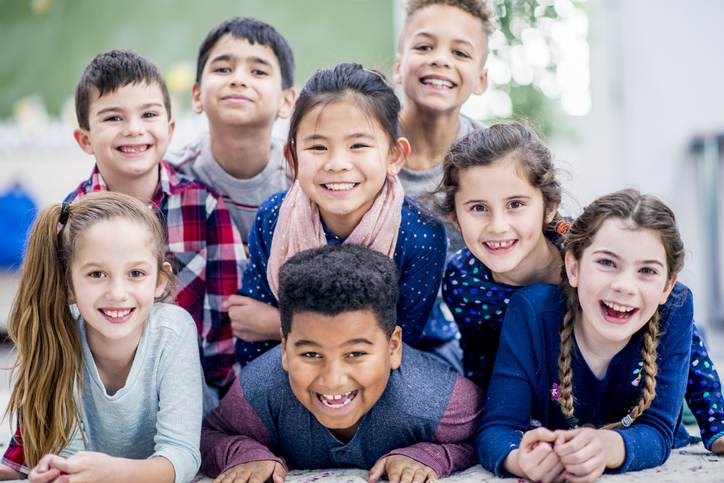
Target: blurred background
[{"x": 628, "y": 94}]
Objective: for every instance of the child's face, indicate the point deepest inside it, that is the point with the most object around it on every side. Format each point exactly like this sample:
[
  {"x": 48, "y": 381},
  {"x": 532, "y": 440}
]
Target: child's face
[
  {"x": 339, "y": 365},
  {"x": 501, "y": 216},
  {"x": 114, "y": 279},
  {"x": 241, "y": 85},
  {"x": 129, "y": 133},
  {"x": 343, "y": 159},
  {"x": 441, "y": 58},
  {"x": 622, "y": 278}
]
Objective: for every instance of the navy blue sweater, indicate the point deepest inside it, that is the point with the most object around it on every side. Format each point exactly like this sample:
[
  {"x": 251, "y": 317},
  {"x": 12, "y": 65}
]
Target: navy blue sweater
[{"x": 524, "y": 384}]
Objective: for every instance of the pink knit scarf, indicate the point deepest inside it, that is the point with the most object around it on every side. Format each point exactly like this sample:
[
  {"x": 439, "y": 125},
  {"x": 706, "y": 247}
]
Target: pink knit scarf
[{"x": 299, "y": 226}]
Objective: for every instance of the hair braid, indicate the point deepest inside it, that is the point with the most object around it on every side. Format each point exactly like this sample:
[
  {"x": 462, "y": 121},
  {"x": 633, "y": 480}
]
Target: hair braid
[{"x": 565, "y": 374}]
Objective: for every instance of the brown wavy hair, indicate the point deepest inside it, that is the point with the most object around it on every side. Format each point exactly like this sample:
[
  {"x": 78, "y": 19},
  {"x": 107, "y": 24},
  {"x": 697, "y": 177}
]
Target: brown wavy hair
[
  {"x": 48, "y": 370},
  {"x": 639, "y": 211}
]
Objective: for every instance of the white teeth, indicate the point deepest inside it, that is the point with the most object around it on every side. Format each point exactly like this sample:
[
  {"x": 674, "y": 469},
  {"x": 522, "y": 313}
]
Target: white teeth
[
  {"x": 340, "y": 400},
  {"x": 136, "y": 148},
  {"x": 438, "y": 83},
  {"x": 116, "y": 314},
  {"x": 500, "y": 244},
  {"x": 339, "y": 186},
  {"x": 618, "y": 308}
]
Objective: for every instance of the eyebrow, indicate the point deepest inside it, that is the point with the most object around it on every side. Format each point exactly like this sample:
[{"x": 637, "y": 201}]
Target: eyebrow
[
  {"x": 514, "y": 197},
  {"x": 430, "y": 36},
  {"x": 358, "y": 340},
  {"x": 357, "y": 135},
  {"x": 138, "y": 263},
  {"x": 116, "y": 109},
  {"x": 613, "y": 255},
  {"x": 229, "y": 57}
]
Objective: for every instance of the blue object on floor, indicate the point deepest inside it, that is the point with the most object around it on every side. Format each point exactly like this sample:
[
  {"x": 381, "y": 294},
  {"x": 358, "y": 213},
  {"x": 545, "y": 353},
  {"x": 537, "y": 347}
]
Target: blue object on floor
[{"x": 17, "y": 212}]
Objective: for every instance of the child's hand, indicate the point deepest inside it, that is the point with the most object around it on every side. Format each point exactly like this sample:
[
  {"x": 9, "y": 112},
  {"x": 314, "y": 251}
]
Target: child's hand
[
  {"x": 84, "y": 466},
  {"x": 252, "y": 320},
  {"x": 583, "y": 453},
  {"x": 253, "y": 472},
  {"x": 536, "y": 459},
  {"x": 718, "y": 445},
  {"x": 401, "y": 469},
  {"x": 43, "y": 473}
]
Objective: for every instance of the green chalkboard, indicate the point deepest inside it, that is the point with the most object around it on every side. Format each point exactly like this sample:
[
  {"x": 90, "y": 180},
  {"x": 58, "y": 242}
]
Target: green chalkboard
[{"x": 47, "y": 43}]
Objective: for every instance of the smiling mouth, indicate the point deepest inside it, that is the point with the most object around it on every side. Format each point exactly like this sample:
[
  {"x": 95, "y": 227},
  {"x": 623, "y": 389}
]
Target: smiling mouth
[
  {"x": 340, "y": 186},
  {"x": 617, "y": 312},
  {"x": 117, "y": 316},
  {"x": 499, "y": 245},
  {"x": 437, "y": 82},
  {"x": 133, "y": 148},
  {"x": 337, "y": 401}
]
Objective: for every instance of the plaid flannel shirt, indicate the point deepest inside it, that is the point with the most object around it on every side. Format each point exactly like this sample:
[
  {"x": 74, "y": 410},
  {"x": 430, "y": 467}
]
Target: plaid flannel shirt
[{"x": 205, "y": 250}]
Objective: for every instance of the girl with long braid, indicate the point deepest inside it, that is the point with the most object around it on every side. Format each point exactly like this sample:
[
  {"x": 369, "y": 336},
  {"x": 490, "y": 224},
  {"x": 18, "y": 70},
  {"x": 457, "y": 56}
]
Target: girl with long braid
[{"x": 590, "y": 376}]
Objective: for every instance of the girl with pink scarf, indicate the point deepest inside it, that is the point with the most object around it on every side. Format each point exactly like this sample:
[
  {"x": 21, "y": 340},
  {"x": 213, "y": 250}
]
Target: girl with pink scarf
[{"x": 345, "y": 149}]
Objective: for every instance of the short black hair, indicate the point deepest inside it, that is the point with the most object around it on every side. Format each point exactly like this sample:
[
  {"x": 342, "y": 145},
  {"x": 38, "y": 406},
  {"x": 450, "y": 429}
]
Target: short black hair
[
  {"x": 111, "y": 70},
  {"x": 334, "y": 279},
  {"x": 255, "y": 32}
]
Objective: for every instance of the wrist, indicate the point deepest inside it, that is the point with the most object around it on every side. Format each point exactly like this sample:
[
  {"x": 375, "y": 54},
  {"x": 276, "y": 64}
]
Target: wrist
[
  {"x": 511, "y": 464},
  {"x": 614, "y": 447}
]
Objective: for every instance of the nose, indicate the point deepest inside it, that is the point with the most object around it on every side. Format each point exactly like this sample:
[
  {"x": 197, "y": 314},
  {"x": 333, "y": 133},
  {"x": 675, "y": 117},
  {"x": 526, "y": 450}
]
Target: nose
[
  {"x": 134, "y": 127},
  {"x": 498, "y": 222},
  {"x": 624, "y": 282},
  {"x": 238, "y": 78},
  {"x": 337, "y": 162},
  {"x": 439, "y": 58},
  {"x": 117, "y": 290},
  {"x": 333, "y": 377}
]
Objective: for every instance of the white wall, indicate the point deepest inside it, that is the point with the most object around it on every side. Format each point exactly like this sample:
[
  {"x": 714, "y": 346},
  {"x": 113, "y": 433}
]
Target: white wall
[{"x": 657, "y": 75}]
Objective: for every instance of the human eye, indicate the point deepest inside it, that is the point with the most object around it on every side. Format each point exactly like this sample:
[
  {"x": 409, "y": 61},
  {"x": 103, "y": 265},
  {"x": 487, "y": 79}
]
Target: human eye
[
  {"x": 356, "y": 354},
  {"x": 150, "y": 114},
  {"x": 649, "y": 271},
  {"x": 515, "y": 204},
  {"x": 311, "y": 355},
  {"x": 221, "y": 69},
  {"x": 606, "y": 262},
  {"x": 95, "y": 274},
  {"x": 360, "y": 146},
  {"x": 137, "y": 273},
  {"x": 259, "y": 72},
  {"x": 478, "y": 208},
  {"x": 422, "y": 47},
  {"x": 112, "y": 118},
  {"x": 461, "y": 53},
  {"x": 316, "y": 147}
]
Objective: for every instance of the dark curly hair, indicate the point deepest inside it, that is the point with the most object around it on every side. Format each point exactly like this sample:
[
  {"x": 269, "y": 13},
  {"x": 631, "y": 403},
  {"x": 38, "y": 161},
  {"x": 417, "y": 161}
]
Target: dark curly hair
[{"x": 334, "y": 279}]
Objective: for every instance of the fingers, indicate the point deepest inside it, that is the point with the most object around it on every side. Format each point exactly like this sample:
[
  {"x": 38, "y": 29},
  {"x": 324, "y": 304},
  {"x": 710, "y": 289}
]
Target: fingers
[
  {"x": 44, "y": 476},
  {"x": 718, "y": 446},
  {"x": 279, "y": 473},
  {"x": 574, "y": 442},
  {"x": 232, "y": 300},
  {"x": 63, "y": 464},
  {"x": 376, "y": 471},
  {"x": 538, "y": 434}
]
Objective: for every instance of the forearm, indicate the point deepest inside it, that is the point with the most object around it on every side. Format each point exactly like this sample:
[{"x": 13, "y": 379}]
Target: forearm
[
  {"x": 615, "y": 448},
  {"x": 511, "y": 464},
  {"x": 7, "y": 473},
  {"x": 151, "y": 470}
]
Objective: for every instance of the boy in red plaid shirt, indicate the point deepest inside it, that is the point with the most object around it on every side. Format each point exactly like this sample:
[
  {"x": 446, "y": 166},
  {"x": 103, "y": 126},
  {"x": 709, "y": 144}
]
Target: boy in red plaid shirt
[{"x": 124, "y": 117}]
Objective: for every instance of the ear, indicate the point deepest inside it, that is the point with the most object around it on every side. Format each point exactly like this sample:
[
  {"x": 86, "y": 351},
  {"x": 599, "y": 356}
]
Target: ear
[
  {"x": 285, "y": 363},
  {"x": 396, "y": 74},
  {"x": 453, "y": 219},
  {"x": 171, "y": 128},
  {"x": 398, "y": 155},
  {"x": 82, "y": 137},
  {"x": 551, "y": 212},
  {"x": 396, "y": 348},
  {"x": 286, "y": 107},
  {"x": 290, "y": 159},
  {"x": 162, "y": 281},
  {"x": 571, "y": 269},
  {"x": 667, "y": 290},
  {"x": 482, "y": 82},
  {"x": 196, "y": 98}
]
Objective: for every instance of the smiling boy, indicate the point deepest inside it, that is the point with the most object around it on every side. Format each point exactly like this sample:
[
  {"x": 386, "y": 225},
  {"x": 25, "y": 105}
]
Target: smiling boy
[
  {"x": 342, "y": 390},
  {"x": 124, "y": 119}
]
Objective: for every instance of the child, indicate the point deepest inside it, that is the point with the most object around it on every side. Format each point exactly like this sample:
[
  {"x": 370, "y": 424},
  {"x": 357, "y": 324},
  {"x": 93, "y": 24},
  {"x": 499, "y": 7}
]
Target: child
[
  {"x": 501, "y": 189},
  {"x": 124, "y": 116},
  {"x": 244, "y": 82},
  {"x": 352, "y": 395},
  {"x": 600, "y": 349},
  {"x": 440, "y": 63},
  {"x": 345, "y": 148},
  {"x": 116, "y": 392}
]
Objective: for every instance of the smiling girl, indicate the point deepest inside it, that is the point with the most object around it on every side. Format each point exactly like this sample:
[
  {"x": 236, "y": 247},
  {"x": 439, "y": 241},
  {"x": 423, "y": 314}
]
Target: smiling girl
[
  {"x": 346, "y": 150},
  {"x": 598, "y": 365},
  {"x": 115, "y": 394}
]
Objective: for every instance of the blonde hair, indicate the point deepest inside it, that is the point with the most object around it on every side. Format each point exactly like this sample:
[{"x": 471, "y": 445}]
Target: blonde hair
[
  {"x": 640, "y": 211},
  {"x": 47, "y": 372}
]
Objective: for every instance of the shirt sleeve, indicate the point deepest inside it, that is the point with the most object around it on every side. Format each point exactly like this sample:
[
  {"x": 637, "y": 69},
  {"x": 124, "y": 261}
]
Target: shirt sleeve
[
  {"x": 224, "y": 251},
  {"x": 234, "y": 434},
  {"x": 14, "y": 457},
  {"x": 255, "y": 283},
  {"x": 512, "y": 387},
  {"x": 420, "y": 278},
  {"x": 648, "y": 441},
  {"x": 178, "y": 421},
  {"x": 452, "y": 448}
]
